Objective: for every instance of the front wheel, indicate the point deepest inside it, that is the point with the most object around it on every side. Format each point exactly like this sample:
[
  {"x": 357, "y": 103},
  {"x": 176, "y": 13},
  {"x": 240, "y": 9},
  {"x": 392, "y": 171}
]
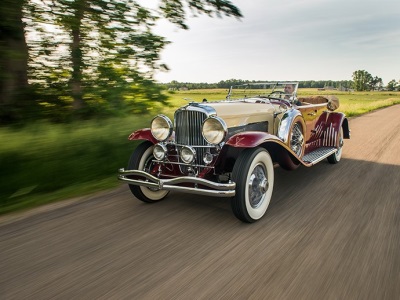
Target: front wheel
[
  {"x": 141, "y": 159},
  {"x": 253, "y": 174}
]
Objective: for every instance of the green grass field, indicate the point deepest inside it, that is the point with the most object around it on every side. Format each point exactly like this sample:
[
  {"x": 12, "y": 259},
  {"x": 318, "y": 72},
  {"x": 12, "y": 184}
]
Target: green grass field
[
  {"x": 45, "y": 162},
  {"x": 351, "y": 103}
]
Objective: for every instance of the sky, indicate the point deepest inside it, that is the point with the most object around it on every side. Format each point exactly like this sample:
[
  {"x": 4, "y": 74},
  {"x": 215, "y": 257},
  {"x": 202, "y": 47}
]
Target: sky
[{"x": 287, "y": 40}]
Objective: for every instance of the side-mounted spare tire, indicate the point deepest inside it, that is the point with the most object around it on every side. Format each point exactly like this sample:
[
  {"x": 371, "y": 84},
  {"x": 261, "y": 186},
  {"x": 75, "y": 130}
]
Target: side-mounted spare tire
[{"x": 296, "y": 142}]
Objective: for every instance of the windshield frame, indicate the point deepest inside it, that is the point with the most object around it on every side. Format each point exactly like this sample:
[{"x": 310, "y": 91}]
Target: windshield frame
[{"x": 276, "y": 88}]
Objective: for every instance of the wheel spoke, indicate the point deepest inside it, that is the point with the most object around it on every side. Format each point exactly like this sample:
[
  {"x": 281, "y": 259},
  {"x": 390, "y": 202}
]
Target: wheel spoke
[{"x": 297, "y": 139}]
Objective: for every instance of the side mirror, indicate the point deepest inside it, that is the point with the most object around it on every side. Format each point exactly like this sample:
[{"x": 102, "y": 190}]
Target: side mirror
[{"x": 333, "y": 103}]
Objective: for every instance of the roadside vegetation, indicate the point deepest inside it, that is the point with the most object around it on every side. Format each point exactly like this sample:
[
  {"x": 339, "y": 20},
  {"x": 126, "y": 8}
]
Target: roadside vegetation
[
  {"x": 43, "y": 162},
  {"x": 77, "y": 77}
]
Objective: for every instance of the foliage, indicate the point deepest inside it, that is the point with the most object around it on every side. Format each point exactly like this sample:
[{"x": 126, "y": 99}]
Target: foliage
[
  {"x": 87, "y": 56},
  {"x": 44, "y": 158},
  {"x": 393, "y": 85},
  {"x": 225, "y": 84},
  {"x": 364, "y": 81}
]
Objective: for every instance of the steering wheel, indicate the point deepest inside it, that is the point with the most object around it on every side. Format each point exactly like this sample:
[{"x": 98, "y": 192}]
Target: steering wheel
[
  {"x": 277, "y": 94},
  {"x": 280, "y": 96}
]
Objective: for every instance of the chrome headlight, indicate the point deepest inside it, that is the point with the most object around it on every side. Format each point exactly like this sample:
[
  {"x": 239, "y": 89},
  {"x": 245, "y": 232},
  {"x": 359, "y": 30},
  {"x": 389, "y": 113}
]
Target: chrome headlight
[
  {"x": 188, "y": 154},
  {"x": 208, "y": 158},
  {"x": 159, "y": 152},
  {"x": 161, "y": 128},
  {"x": 214, "y": 130}
]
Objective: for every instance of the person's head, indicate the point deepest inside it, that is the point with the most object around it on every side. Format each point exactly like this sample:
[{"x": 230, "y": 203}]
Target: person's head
[{"x": 289, "y": 89}]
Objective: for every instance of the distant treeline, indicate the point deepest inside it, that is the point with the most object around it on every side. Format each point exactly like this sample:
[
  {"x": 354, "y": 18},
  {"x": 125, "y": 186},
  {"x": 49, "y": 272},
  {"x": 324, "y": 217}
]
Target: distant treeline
[{"x": 175, "y": 85}]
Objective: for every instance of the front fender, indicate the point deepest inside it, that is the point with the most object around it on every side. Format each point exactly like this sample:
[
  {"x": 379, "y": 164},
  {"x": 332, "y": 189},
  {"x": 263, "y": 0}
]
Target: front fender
[
  {"x": 142, "y": 134},
  {"x": 278, "y": 150},
  {"x": 250, "y": 139}
]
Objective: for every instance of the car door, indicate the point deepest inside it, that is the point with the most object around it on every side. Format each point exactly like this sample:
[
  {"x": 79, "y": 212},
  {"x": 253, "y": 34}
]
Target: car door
[{"x": 311, "y": 113}]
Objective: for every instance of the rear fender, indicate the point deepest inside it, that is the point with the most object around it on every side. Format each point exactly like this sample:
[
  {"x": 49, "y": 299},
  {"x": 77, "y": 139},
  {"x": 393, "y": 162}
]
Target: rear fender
[
  {"x": 339, "y": 120},
  {"x": 328, "y": 126},
  {"x": 346, "y": 128}
]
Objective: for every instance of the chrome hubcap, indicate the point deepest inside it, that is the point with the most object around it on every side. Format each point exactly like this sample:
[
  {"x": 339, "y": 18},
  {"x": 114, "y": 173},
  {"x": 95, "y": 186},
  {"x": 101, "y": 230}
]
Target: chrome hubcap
[{"x": 258, "y": 185}]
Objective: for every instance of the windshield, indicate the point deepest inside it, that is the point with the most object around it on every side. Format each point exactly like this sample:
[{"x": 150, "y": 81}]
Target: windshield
[{"x": 282, "y": 90}]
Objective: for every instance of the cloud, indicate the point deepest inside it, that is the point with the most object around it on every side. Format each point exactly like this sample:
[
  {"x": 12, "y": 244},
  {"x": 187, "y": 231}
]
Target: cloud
[{"x": 290, "y": 40}]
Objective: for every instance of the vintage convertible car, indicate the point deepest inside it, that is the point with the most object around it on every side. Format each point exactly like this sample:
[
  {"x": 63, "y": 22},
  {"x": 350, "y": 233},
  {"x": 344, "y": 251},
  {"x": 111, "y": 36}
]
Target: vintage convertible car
[{"x": 229, "y": 148}]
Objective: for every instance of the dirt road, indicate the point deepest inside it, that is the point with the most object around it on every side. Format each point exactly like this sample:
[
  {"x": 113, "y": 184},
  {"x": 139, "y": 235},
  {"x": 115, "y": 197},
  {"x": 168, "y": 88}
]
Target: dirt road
[{"x": 331, "y": 232}]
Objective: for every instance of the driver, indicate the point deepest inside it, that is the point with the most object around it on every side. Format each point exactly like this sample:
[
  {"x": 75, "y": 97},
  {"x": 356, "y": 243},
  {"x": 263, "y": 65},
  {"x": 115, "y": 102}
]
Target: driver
[{"x": 289, "y": 89}]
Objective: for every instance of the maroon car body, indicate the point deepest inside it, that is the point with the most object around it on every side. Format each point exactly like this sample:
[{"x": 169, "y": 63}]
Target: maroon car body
[{"x": 229, "y": 148}]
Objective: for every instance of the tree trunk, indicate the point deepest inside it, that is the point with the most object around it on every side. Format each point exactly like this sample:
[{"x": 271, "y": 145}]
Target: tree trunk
[
  {"x": 76, "y": 53},
  {"x": 13, "y": 54}
]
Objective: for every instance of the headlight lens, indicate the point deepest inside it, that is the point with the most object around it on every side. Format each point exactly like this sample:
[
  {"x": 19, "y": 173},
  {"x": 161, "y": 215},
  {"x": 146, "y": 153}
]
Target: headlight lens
[
  {"x": 161, "y": 128},
  {"x": 159, "y": 152},
  {"x": 214, "y": 130},
  {"x": 187, "y": 154}
]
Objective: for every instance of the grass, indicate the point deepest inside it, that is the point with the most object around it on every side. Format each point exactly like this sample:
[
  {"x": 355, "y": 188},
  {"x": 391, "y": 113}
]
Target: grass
[
  {"x": 69, "y": 159},
  {"x": 44, "y": 162},
  {"x": 351, "y": 103},
  {"x": 358, "y": 103}
]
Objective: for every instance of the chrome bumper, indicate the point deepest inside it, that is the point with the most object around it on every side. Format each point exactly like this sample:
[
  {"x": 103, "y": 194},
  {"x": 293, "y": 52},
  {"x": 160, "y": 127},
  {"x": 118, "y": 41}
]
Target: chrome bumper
[{"x": 150, "y": 181}]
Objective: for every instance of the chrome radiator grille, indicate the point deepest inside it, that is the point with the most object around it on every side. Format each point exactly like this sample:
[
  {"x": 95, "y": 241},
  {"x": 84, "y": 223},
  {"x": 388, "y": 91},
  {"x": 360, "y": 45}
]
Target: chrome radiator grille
[{"x": 188, "y": 125}]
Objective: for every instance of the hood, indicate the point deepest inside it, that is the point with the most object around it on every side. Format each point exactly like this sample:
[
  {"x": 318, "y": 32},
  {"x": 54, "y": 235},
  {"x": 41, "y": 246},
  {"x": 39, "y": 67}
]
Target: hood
[{"x": 242, "y": 113}]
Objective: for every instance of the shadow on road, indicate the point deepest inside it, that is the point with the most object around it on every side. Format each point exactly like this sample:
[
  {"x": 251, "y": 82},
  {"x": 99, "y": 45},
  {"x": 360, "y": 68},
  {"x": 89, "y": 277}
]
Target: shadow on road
[{"x": 300, "y": 191}]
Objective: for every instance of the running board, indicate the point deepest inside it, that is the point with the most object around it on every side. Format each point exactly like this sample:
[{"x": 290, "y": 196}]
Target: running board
[{"x": 319, "y": 154}]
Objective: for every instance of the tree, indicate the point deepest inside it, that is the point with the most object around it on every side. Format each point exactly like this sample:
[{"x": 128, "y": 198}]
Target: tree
[
  {"x": 365, "y": 81},
  {"x": 82, "y": 49},
  {"x": 376, "y": 83},
  {"x": 362, "y": 80},
  {"x": 13, "y": 55},
  {"x": 392, "y": 85},
  {"x": 111, "y": 43}
]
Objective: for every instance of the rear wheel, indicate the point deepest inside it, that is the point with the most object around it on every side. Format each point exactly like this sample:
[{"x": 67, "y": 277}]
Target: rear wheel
[
  {"x": 141, "y": 159},
  {"x": 335, "y": 157},
  {"x": 253, "y": 174}
]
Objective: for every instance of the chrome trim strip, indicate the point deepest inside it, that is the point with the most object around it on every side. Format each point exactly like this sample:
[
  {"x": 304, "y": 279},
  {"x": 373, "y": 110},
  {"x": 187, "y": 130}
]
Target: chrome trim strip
[
  {"x": 219, "y": 189},
  {"x": 168, "y": 162},
  {"x": 172, "y": 143}
]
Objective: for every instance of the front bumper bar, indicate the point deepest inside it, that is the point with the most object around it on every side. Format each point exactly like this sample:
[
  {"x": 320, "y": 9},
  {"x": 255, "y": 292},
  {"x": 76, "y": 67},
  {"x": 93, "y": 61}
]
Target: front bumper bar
[{"x": 150, "y": 181}]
